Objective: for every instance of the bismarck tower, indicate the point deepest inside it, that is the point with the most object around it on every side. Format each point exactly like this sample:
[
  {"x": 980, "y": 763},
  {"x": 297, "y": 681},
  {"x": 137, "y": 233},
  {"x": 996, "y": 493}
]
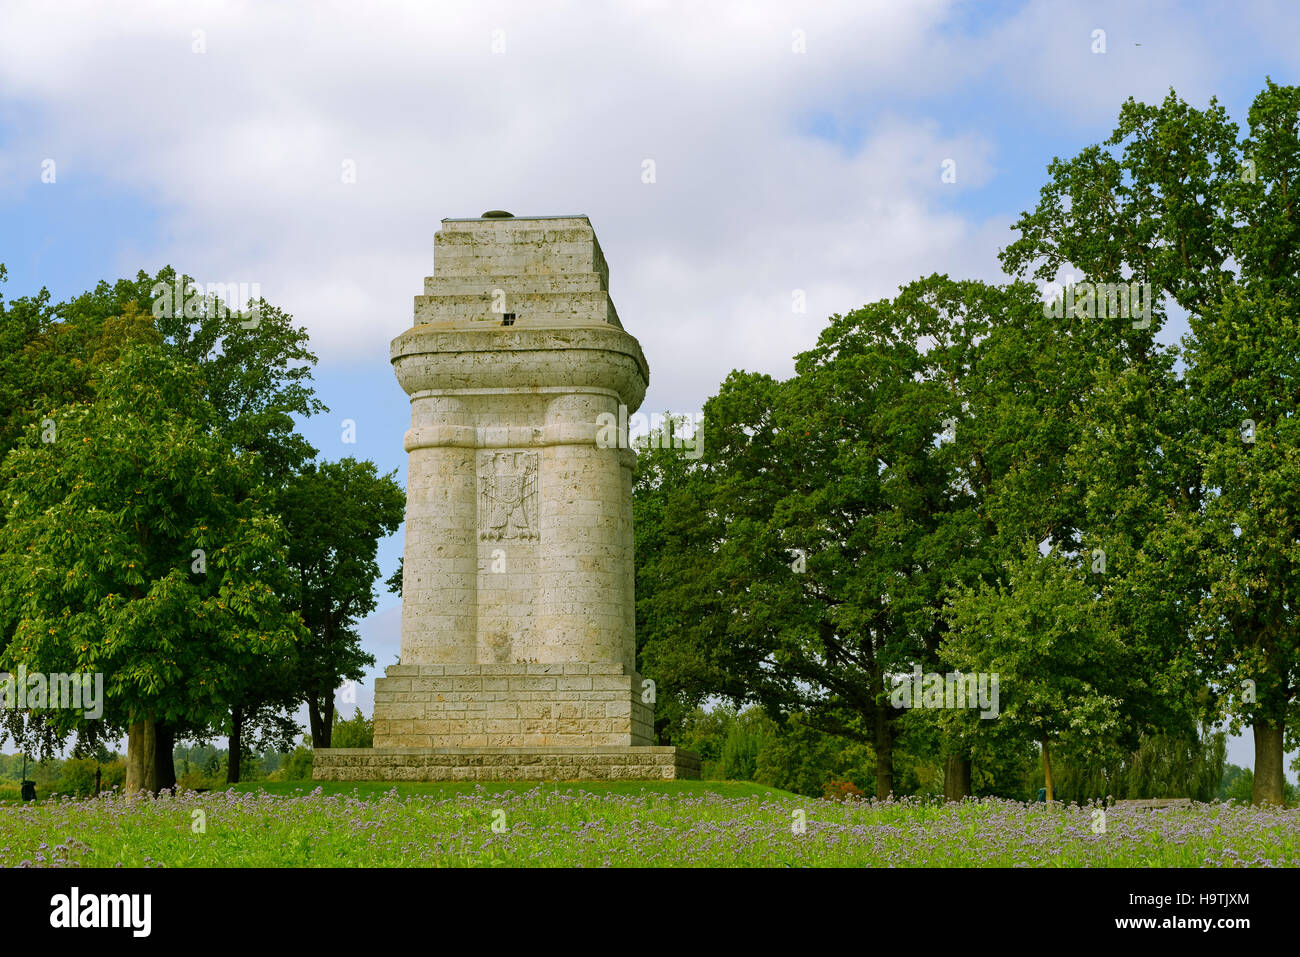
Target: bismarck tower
[{"x": 518, "y": 618}]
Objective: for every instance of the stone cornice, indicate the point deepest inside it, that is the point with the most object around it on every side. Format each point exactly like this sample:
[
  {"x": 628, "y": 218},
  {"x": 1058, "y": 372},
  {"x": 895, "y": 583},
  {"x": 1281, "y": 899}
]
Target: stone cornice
[{"x": 441, "y": 357}]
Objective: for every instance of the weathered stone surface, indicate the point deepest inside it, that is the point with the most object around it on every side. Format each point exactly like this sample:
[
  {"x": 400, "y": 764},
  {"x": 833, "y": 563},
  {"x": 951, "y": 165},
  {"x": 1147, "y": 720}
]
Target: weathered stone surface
[
  {"x": 518, "y": 526},
  {"x": 518, "y": 612},
  {"x": 504, "y": 764}
]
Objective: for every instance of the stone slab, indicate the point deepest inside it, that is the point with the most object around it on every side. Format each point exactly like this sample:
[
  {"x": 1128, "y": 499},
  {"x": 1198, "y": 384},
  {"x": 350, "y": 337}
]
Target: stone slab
[
  {"x": 511, "y": 705},
  {"x": 580, "y": 763}
]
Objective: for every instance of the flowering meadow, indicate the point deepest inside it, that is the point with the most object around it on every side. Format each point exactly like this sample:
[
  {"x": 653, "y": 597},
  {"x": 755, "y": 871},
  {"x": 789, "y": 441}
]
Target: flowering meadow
[{"x": 693, "y": 824}]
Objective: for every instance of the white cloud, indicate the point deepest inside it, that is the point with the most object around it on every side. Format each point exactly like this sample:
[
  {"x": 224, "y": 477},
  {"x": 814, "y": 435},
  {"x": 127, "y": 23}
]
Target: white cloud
[{"x": 241, "y": 147}]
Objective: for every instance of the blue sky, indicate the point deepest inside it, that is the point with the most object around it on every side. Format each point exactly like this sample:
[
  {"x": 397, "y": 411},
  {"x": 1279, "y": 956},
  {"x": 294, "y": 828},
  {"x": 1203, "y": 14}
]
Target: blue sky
[{"x": 211, "y": 137}]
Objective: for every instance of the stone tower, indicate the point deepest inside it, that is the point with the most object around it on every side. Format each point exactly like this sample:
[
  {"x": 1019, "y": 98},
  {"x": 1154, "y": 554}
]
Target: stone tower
[{"x": 518, "y": 617}]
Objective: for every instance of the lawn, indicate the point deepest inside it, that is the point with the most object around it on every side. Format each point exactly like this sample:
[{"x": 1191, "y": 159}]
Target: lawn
[
  {"x": 376, "y": 789},
  {"x": 627, "y": 824}
]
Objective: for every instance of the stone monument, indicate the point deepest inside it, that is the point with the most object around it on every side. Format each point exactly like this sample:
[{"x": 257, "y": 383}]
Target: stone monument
[{"x": 518, "y": 619}]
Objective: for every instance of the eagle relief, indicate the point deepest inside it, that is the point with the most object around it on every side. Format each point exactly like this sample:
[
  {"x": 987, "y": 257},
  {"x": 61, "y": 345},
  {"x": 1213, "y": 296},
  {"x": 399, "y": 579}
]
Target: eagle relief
[{"x": 507, "y": 498}]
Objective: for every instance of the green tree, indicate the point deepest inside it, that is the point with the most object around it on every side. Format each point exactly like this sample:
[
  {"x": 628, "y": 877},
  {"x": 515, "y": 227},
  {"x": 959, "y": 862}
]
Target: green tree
[
  {"x": 77, "y": 777},
  {"x": 1060, "y": 666},
  {"x": 1012, "y": 380},
  {"x": 257, "y": 720},
  {"x": 22, "y": 324},
  {"x": 1244, "y": 372},
  {"x": 748, "y": 732},
  {"x": 659, "y": 484},
  {"x": 794, "y": 573},
  {"x": 1176, "y": 198},
  {"x": 335, "y": 514},
  {"x": 1162, "y": 765},
  {"x": 298, "y": 765},
  {"x": 1237, "y": 784},
  {"x": 703, "y": 732},
  {"x": 137, "y": 544},
  {"x": 802, "y": 759},
  {"x": 50, "y": 357},
  {"x": 355, "y": 732},
  {"x": 394, "y": 581},
  {"x": 255, "y": 374}
]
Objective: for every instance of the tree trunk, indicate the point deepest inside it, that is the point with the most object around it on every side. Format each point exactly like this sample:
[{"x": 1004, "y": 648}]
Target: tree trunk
[
  {"x": 141, "y": 768},
  {"x": 1047, "y": 773},
  {"x": 321, "y": 721},
  {"x": 164, "y": 759},
  {"x": 956, "y": 777},
  {"x": 884, "y": 754},
  {"x": 1268, "y": 763},
  {"x": 235, "y": 745}
]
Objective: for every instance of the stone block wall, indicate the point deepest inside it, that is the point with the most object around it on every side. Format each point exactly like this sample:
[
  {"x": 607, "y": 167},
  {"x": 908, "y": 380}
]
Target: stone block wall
[
  {"x": 518, "y": 605},
  {"x": 511, "y": 705},
  {"x": 504, "y": 764},
  {"x": 519, "y": 522},
  {"x": 548, "y": 270}
]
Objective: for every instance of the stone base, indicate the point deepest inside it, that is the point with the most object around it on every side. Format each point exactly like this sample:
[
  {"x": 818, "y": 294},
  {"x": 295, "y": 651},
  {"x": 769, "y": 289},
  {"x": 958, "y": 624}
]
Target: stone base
[
  {"x": 565, "y": 704},
  {"x": 504, "y": 764}
]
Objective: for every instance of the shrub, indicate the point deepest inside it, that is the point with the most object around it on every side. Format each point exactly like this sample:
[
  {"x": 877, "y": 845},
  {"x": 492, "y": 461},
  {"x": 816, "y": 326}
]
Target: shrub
[
  {"x": 838, "y": 790},
  {"x": 356, "y": 732},
  {"x": 745, "y": 739},
  {"x": 296, "y": 767},
  {"x": 77, "y": 777}
]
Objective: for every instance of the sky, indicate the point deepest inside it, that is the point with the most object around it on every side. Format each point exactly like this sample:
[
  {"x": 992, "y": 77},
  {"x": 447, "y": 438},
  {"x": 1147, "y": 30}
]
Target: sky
[{"x": 795, "y": 147}]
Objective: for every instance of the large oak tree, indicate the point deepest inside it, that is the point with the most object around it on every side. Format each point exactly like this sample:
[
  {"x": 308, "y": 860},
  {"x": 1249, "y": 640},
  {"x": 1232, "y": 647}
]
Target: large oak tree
[{"x": 1177, "y": 198}]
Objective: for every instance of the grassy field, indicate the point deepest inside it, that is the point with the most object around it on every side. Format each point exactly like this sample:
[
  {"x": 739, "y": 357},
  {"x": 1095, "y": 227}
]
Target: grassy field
[
  {"x": 445, "y": 789},
  {"x": 626, "y": 824}
]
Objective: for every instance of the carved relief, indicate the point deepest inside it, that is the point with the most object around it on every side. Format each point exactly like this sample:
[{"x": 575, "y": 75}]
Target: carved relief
[{"x": 507, "y": 499}]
